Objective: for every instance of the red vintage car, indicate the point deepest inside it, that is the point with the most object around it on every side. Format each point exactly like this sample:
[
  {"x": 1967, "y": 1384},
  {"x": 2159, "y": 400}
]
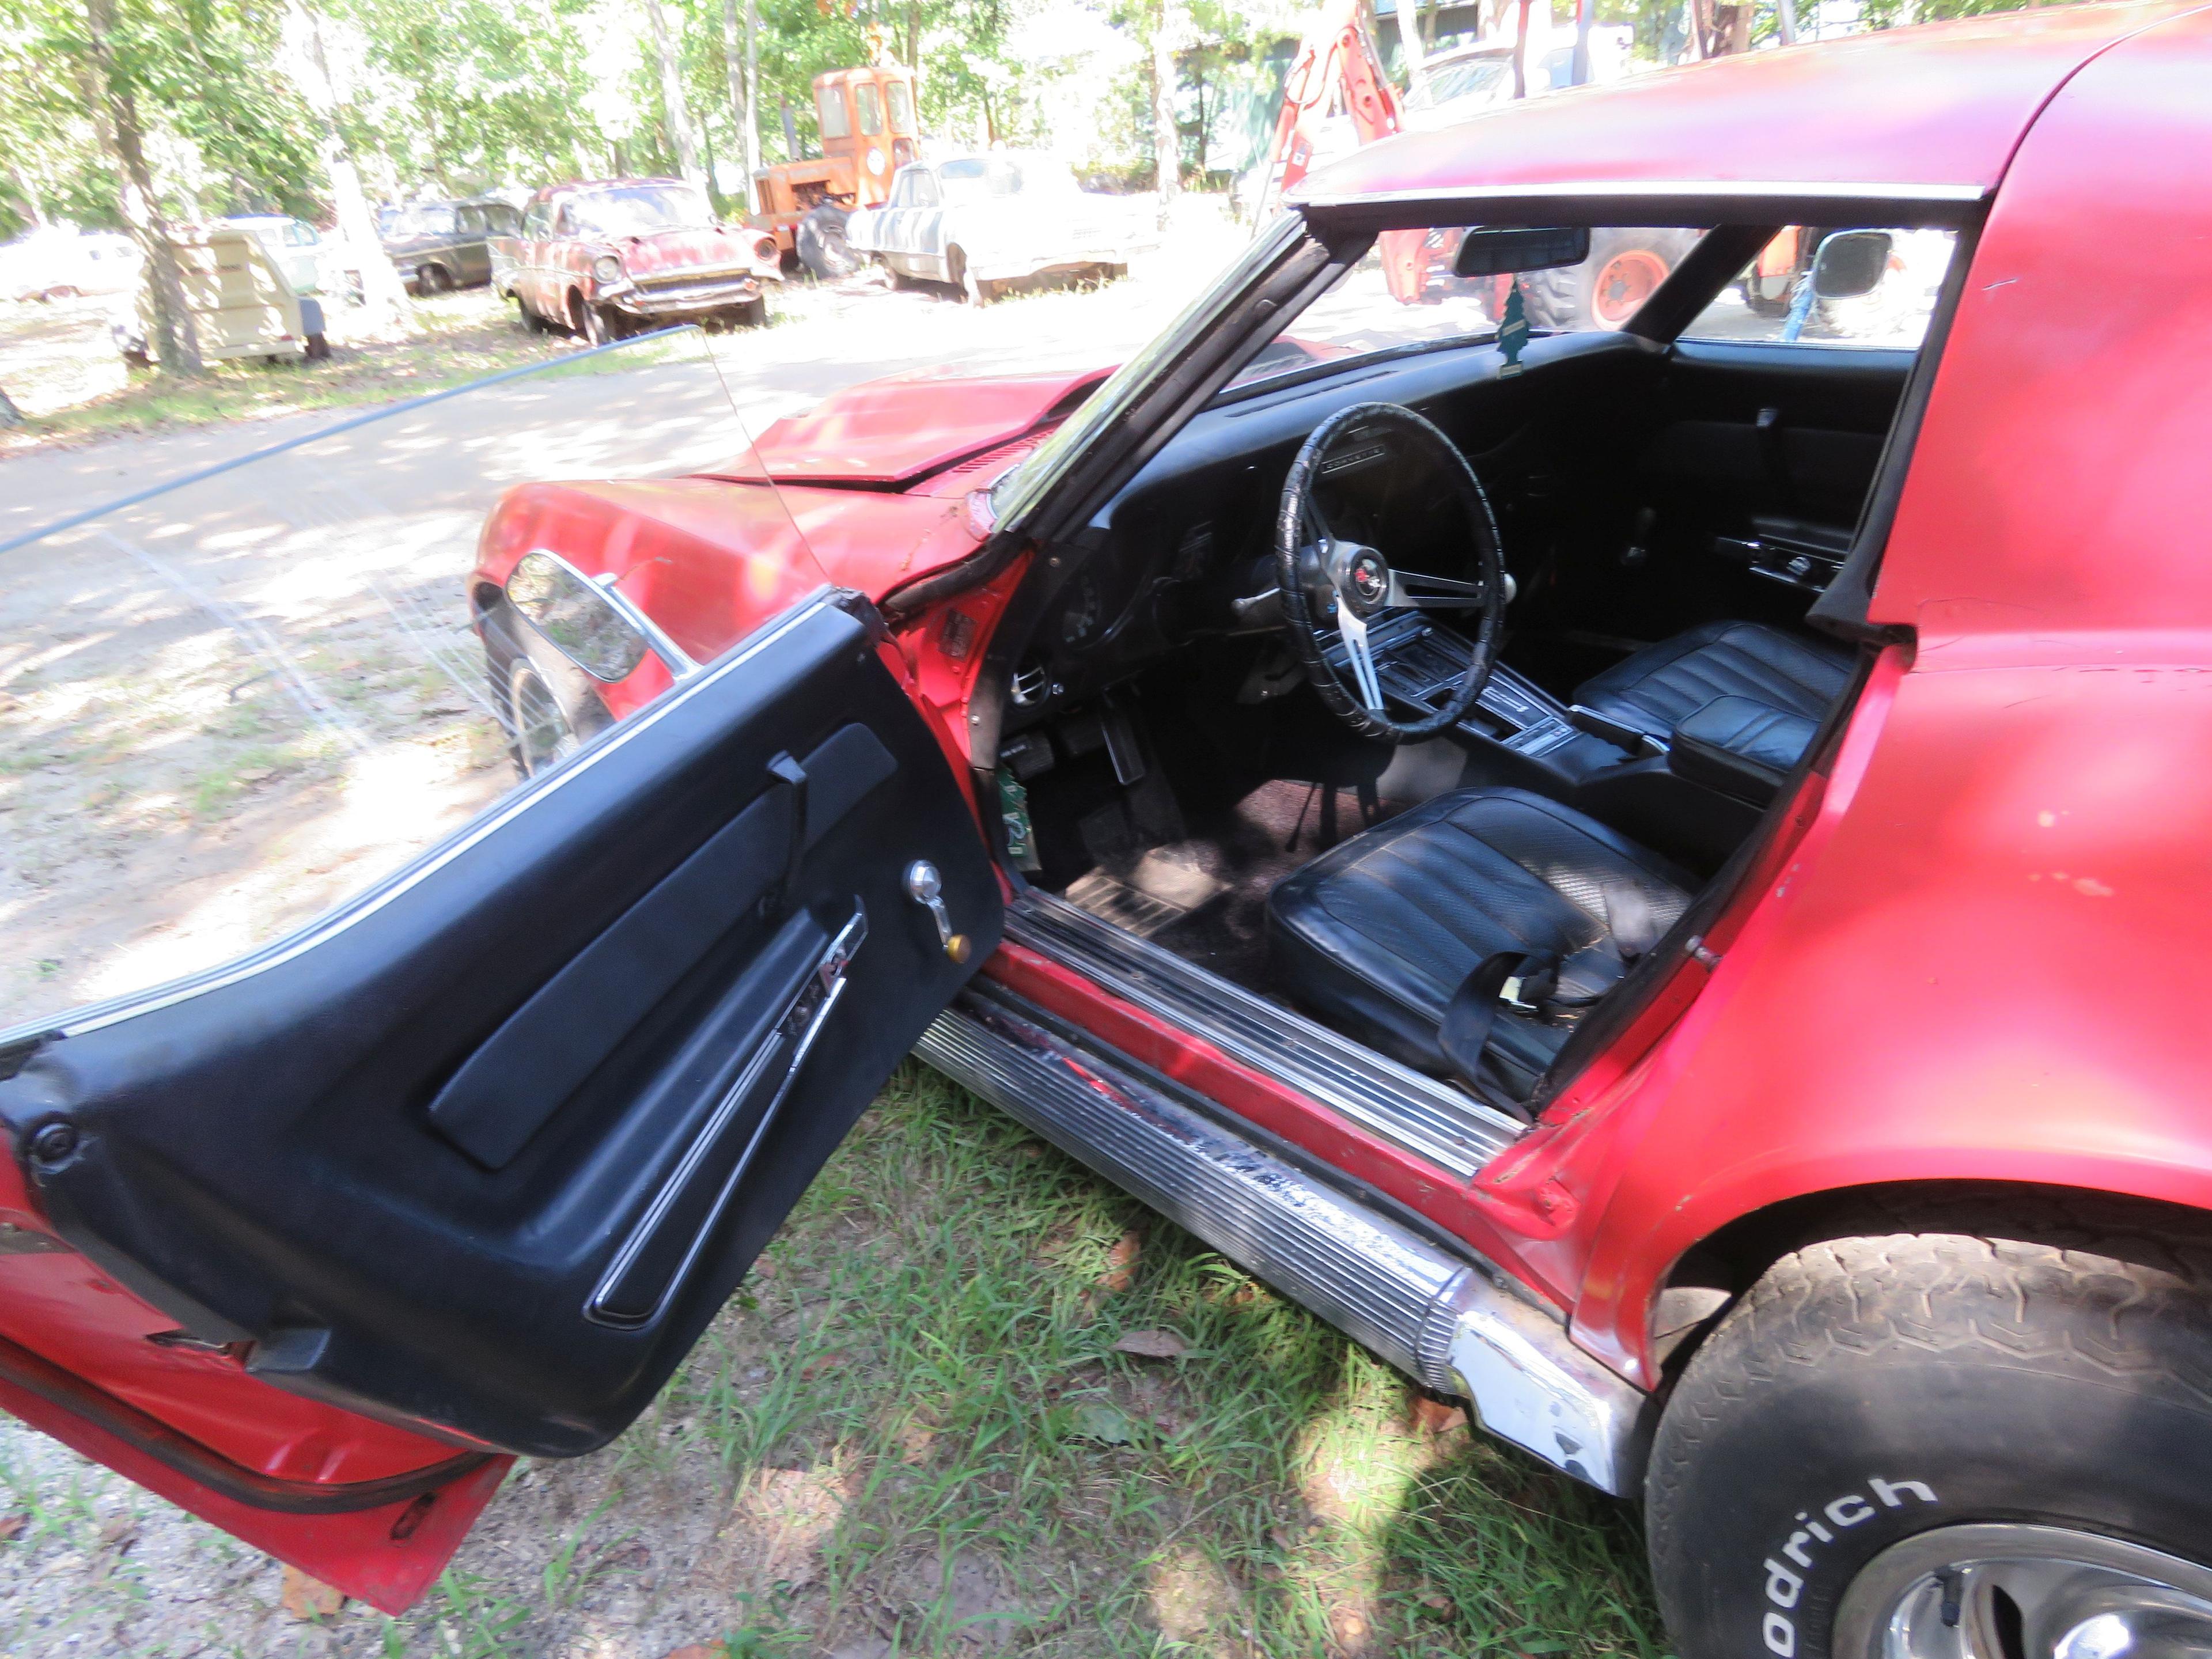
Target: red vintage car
[
  {"x": 607, "y": 257},
  {"x": 1655, "y": 877}
]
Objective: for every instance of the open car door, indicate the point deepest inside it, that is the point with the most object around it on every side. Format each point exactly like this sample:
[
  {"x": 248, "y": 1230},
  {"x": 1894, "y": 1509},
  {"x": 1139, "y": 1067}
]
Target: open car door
[{"x": 311, "y": 1239}]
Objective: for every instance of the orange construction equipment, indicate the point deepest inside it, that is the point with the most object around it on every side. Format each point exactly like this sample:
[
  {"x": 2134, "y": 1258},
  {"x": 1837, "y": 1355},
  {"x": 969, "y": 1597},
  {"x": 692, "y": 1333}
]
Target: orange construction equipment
[
  {"x": 868, "y": 133},
  {"x": 1338, "y": 61}
]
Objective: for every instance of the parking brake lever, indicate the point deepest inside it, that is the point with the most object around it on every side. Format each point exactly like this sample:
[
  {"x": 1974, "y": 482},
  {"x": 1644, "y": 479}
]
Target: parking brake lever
[{"x": 1619, "y": 733}]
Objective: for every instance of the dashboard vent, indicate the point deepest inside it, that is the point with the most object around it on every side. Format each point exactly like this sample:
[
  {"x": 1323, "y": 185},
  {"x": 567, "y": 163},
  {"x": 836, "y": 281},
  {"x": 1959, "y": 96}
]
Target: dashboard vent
[{"x": 1031, "y": 685}]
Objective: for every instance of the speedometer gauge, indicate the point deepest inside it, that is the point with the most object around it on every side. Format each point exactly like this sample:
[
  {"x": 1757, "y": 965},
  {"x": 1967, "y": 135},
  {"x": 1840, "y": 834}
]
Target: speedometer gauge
[{"x": 1078, "y": 620}]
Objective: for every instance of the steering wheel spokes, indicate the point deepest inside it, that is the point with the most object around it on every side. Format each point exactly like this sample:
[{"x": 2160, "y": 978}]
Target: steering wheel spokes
[
  {"x": 1327, "y": 581},
  {"x": 1351, "y": 627}
]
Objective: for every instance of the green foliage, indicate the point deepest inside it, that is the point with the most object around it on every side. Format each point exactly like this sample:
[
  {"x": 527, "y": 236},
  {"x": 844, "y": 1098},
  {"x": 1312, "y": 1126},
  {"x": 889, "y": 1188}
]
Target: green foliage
[
  {"x": 233, "y": 137},
  {"x": 469, "y": 93}
]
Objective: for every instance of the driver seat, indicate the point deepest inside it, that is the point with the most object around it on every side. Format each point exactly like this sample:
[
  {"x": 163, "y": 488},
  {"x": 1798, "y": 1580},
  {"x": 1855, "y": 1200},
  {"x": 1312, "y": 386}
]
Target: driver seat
[{"x": 1378, "y": 934}]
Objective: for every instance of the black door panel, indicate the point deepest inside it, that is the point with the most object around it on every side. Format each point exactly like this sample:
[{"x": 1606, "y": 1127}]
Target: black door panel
[
  {"x": 1772, "y": 430},
  {"x": 484, "y": 1154}
]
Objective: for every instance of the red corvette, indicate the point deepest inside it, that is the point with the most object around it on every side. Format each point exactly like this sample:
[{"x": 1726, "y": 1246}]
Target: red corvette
[{"x": 1657, "y": 879}]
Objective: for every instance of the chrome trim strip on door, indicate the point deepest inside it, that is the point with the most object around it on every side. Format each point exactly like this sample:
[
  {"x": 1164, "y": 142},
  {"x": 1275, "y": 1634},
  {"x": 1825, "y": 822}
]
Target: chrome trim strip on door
[
  {"x": 95, "y": 1015},
  {"x": 1443, "y": 1316},
  {"x": 792, "y": 1036},
  {"x": 1429, "y": 1118}
]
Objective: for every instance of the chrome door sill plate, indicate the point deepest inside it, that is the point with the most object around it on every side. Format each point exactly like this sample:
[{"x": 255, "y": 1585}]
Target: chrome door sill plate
[
  {"x": 1430, "y": 1119},
  {"x": 1433, "y": 1312}
]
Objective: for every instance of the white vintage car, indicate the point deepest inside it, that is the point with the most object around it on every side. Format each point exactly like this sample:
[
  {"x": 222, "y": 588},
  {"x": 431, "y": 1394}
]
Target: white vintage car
[{"x": 981, "y": 222}]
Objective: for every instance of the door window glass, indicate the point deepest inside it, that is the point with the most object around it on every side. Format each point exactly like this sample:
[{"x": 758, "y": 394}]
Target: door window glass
[
  {"x": 472, "y": 221},
  {"x": 829, "y": 103},
  {"x": 1774, "y": 300},
  {"x": 871, "y": 108},
  {"x": 901, "y": 100},
  {"x": 227, "y": 708}
]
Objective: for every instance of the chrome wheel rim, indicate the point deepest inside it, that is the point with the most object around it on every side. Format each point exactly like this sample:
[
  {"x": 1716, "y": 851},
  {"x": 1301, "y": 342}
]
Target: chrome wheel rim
[
  {"x": 2014, "y": 1591},
  {"x": 542, "y": 736}
]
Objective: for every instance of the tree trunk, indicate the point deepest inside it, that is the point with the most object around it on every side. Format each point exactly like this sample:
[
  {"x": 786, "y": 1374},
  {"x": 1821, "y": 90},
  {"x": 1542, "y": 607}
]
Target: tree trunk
[
  {"x": 115, "y": 113},
  {"x": 752, "y": 95},
  {"x": 29, "y": 194},
  {"x": 913, "y": 34},
  {"x": 741, "y": 103},
  {"x": 1167, "y": 142},
  {"x": 1412, "y": 49},
  {"x": 671, "y": 95},
  {"x": 384, "y": 296},
  {"x": 1785, "y": 21}
]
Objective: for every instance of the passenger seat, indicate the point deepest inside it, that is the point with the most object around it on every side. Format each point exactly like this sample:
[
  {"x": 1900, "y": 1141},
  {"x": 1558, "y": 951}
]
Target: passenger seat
[{"x": 1661, "y": 686}]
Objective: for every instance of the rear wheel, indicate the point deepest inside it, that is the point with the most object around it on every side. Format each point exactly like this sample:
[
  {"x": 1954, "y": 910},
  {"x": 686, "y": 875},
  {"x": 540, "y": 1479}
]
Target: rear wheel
[
  {"x": 822, "y": 246},
  {"x": 1624, "y": 270},
  {"x": 433, "y": 279},
  {"x": 1984, "y": 1435},
  {"x": 974, "y": 291}
]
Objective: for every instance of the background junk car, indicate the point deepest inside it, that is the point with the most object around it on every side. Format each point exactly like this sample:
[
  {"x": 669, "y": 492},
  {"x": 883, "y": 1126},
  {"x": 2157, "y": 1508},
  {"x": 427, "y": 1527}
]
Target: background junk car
[
  {"x": 605, "y": 258},
  {"x": 1656, "y": 878},
  {"x": 437, "y": 245},
  {"x": 981, "y": 223}
]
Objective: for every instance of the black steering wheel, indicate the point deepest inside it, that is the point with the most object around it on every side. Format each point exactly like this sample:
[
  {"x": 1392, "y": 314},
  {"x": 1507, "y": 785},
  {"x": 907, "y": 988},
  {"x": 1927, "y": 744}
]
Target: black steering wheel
[{"x": 1329, "y": 582}]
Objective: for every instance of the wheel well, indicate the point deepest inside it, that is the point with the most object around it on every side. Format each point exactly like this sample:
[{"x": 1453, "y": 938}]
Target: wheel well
[{"x": 1706, "y": 1280}]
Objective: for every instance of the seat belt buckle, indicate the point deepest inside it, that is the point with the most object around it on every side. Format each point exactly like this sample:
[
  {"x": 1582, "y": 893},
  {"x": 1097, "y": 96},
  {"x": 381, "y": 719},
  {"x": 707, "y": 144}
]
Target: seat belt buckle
[{"x": 1526, "y": 992}]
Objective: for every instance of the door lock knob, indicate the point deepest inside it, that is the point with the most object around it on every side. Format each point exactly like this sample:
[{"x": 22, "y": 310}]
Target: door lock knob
[{"x": 927, "y": 888}]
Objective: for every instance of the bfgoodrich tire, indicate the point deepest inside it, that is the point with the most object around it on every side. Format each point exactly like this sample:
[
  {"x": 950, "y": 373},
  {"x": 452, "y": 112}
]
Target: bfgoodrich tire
[{"x": 1966, "y": 1438}]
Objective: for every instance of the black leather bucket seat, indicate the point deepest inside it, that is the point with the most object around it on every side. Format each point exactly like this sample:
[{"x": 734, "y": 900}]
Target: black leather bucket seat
[
  {"x": 1659, "y": 687},
  {"x": 1376, "y": 935}
]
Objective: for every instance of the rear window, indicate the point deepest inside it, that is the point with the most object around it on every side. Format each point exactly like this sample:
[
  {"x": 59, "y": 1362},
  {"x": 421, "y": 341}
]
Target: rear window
[{"x": 1771, "y": 300}]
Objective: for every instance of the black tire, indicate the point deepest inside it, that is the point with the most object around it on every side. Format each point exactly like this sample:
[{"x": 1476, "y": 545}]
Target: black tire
[
  {"x": 433, "y": 279},
  {"x": 822, "y": 246},
  {"x": 531, "y": 321},
  {"x": 1591, "y": 295},
  {"x": 589, "y": 323},
  {"x": 752, "y": 314},
  {"x": 544, "y": 701},
  {"x": 318, "y": 348},
  {"x": 2035, "y": 1371},
  {"x": 975, "y": 292}
]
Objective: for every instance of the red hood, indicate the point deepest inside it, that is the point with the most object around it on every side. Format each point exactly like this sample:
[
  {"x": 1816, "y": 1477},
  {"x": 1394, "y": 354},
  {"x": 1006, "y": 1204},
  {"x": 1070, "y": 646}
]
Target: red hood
[
  {"x": 705, "y": 248},
  {"x": 895, "y": 431}
]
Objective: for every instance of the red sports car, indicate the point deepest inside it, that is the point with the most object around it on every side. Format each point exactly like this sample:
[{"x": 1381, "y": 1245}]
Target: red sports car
[{"x": 1657, "y": 877}]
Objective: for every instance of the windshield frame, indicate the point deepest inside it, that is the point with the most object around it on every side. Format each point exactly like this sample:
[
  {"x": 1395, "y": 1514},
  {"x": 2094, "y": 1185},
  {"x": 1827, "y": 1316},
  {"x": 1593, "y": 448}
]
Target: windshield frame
[{"x": 1017, "y": 494}]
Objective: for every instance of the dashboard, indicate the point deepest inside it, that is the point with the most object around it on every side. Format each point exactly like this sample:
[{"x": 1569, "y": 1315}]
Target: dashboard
[{"x": 1177, "y": 554}]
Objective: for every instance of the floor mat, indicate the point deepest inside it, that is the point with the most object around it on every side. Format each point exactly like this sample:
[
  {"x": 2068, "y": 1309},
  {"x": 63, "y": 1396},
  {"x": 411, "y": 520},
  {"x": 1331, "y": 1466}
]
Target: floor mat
[{"x": 1206, "y": 897}]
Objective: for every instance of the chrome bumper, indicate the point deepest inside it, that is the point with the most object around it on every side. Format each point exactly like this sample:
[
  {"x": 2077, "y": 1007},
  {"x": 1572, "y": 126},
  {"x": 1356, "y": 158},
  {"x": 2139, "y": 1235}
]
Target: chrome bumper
[
  {"x": 691, "y": 300},
  {"x": 1427, "y": 1309}
]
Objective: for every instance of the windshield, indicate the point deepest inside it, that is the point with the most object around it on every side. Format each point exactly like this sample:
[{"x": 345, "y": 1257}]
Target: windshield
[
  {"x": 979, "y": 178},
  {"x": 640, "y": 209},
  {"x": 400, "y": 222},
  {"x": 1020, "y": 487},
  {"x": 1448, "y": 82},
  {"x": 1403, "y": 296}
]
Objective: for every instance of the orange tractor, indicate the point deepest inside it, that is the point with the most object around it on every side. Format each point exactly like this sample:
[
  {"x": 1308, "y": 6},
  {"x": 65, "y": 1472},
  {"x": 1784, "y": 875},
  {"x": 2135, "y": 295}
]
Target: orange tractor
[{"x": 868, "y": 133}]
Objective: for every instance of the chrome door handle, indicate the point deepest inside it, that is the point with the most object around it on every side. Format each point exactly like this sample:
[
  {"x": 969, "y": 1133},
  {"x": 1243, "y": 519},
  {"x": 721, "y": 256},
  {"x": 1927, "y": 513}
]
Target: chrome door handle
[{"x": 927, "y": 888}]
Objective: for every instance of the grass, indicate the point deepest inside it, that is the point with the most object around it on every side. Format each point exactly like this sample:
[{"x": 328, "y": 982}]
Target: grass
[
  {"x": 63, "y": 367},
  {"x": 911, "y": 1434}
]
